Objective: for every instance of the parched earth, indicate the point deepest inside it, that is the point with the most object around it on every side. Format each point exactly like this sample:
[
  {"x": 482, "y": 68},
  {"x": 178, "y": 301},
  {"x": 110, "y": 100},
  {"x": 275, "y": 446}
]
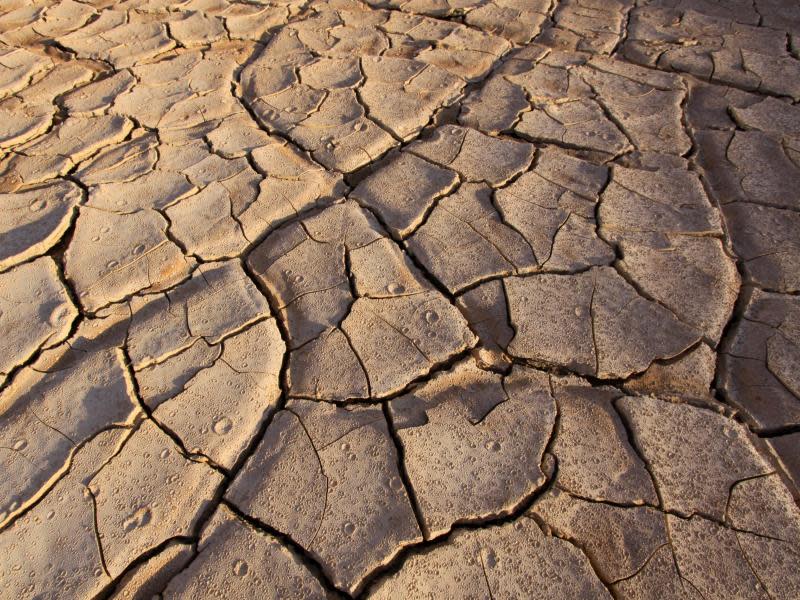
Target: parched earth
[{"x": 400, "y": 299}]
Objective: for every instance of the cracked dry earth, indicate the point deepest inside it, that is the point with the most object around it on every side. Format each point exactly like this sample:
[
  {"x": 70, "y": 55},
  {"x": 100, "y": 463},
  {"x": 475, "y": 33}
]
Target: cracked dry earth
[{"x": 400, "y": 299}]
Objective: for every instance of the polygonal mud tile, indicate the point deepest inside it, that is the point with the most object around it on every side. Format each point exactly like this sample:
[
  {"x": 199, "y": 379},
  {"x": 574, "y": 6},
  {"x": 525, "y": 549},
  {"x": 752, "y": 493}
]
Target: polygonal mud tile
[
  {"x": 508, "y": 101},
  {"x": 659, "y": 577},
  {"x": 337, "y": 271},
  {"x": 330, "y": 94},
  {"x": 404, "y": 191},
  {"x": 716, "y": 562},
  {"x": 461, "y": 50},
  {"x": 598, "y": 106},
  {"x": 751, "y": 166},
  {"x": 694, "y": 455},
  {"x": 475, "y": 156},
  {"x": 486, "y": 310},
  {"x": 44, "y": 22},
  {"x": 593, "y": 323},
  {"x": 29, "y": 113},
  {"x": 516, "y": 21},
  {"x": 112, "y": 256},
  {"x": 18, "y": 66},
  {"x": 553, "y": 207},
  {"x": 692, "y": 276},
  {"x": 304, "y": 268},
  {"x": 20, "y": 126},
  {"x": 513, "y": 560},
  {"x": 713, "y": 46},
  {"x": 147, "y": 494},
  {"x": 151, "y": 577},
  {"x": 587, "y": 25},
  {"x": 578, "y": 123},
  {"x": 68, "y": 395},
  {"x": 204, "y": 224},
  {"x": 400, "y": 339},
  {"x": 690, "y": 375},
  {"x": 235, "y": 559},
  {"x": 335, "y": 471},
  {"x": 202, "y": 307},
  {"x": 34, "y": 220},
  {"x": 618, "y": 540},
  {"x": 113, "y": 39},
  {"x": 194, "y": 28},
  {"x": 759, "y": 361},
  {"x": 95, "y": 97},
  {"x": 463, "y": 459},
  {"x": 595, "y": 459},
  {"x": 764, "y": 506},
  {"x": 402, "y": 94},
  {"x": 465, "y": 240},
  {"x": 646, "y": 106},
  {"x": 707, "y": 105},
  {"x": 671, "y": 250},
  {"x": 163, "y": 380},
  {"x": 186, "y": 91},
  {"x": 765, "y": 240},
  {"x": 54, "y": 549},
  {"x": 35, "y": 312},
  {"x": 641, "y": 201},
  {"x": 59, "y": 150},
  {"x": 122, "y": 162},
  {"x": 218, "y": 409}
]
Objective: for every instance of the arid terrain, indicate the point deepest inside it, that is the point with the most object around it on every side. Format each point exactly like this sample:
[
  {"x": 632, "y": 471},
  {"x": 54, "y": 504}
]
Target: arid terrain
[{"x": 444, "y": 299}]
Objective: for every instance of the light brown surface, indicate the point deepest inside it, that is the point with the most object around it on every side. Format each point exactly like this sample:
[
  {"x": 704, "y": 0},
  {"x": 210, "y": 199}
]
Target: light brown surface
[{"x": 399, "y": 299}]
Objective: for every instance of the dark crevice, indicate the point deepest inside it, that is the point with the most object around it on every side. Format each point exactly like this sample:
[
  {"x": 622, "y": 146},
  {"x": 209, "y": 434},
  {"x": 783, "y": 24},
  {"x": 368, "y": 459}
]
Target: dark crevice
[
  {"x": 506, "y": 517},
  {"x": 549, "y": 466},
  {"x": 110, "y": 590},
  {"x": 185, "y": 452},
  {"x": 283, "y": 378},
  {"x": 309, "y": 561},
  {"x": 634, "y": 445},
  {"x": 403, "y": 472},
  {"x": 435, "y": 369},
  {"x": 770, "y": 432},
  {"x": 59, "y": 476},
  {"x": 98, "y": 539}
]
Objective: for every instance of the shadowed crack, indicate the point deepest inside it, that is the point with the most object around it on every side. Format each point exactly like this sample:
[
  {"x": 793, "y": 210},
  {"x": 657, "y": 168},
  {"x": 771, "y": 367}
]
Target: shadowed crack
[{"x": 401, "y": 469}]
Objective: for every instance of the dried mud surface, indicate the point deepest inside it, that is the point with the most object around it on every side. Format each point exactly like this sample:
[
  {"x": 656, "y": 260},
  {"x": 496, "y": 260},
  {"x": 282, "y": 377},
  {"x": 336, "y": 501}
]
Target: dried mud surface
[{"x": 400, "y": 299}]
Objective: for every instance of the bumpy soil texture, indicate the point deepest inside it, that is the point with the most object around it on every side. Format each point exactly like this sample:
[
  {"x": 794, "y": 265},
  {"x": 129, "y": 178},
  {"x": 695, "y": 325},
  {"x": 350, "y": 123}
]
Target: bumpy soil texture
[{"x": 400, "y": 299}]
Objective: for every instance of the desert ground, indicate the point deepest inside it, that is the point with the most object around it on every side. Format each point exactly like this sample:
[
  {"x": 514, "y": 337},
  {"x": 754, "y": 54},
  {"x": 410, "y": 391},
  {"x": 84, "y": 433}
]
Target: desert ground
[{"x": 398, "y": 299}]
